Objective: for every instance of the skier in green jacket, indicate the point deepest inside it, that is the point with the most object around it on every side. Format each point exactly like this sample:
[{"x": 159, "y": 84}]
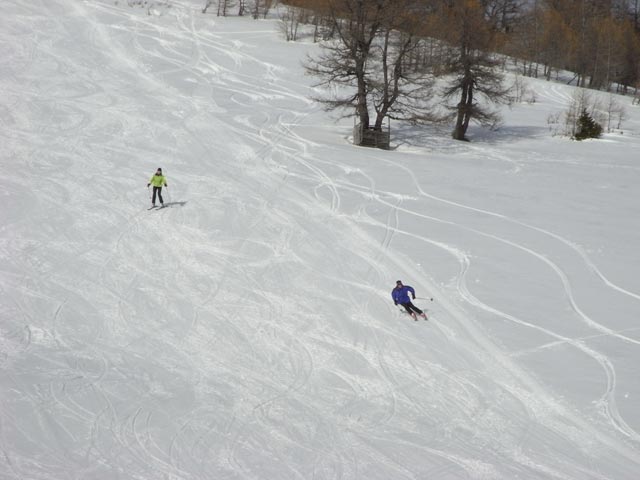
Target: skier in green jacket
[{"x": 158, "y": 180}]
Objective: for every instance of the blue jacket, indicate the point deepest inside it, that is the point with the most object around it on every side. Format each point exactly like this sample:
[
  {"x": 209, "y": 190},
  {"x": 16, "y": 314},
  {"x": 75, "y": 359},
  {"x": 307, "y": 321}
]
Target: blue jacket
[{"x": 401, "y": 294}]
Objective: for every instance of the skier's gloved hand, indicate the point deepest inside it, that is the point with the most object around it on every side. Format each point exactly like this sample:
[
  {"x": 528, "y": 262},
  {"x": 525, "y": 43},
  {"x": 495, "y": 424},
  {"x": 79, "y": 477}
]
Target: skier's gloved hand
[
  {"x": 148, "y": 185},
  {"x": 395, "y": 303},
  {"x": 413, "y": 296}
]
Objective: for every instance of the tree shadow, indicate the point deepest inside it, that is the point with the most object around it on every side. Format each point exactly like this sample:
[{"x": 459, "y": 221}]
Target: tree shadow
[
  {"x": 438, "y": 137},
  {"x": 507, "y": 134}
]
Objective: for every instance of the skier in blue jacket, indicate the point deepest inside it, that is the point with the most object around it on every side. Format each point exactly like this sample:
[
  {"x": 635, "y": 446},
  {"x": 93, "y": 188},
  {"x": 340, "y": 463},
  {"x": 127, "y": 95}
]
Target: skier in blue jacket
[{"x": 400, "y": 295}]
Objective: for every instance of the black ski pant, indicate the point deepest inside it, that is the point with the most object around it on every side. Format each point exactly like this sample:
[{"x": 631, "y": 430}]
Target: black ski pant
[
  {"x": 157, "y": 190},
  {"x": 410, "y": 308}
]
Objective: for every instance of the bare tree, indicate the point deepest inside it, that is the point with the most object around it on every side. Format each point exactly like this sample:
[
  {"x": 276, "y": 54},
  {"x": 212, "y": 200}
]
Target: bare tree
[
  {"x": 524, "y": 41},
  {"x": 343, "y": 61},
  {"x": 223, "y": 7},
  {"x": 472, "y": 67},
  {"x": 374, "y": 54},
  {"x": 261, "y": 8},
  {"x": 397, "y": 89},
  {"x": 615, "y": 113},
  {"x": 316, "y": 13},
  {"x": 290, "y": 22}
]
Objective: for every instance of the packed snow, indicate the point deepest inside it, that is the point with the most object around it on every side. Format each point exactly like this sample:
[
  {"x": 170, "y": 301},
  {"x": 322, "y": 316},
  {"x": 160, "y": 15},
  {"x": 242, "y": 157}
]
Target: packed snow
[{"x": 247, "y": 330}]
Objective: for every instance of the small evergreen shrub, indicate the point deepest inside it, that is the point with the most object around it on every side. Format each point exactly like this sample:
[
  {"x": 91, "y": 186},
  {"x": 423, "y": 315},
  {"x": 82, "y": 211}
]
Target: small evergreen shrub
[{"x": 587, "y": 127}]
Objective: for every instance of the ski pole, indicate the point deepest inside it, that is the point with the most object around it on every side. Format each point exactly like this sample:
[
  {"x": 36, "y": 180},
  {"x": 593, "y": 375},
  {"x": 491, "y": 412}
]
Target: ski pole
[{"x": 425, "y": 298}]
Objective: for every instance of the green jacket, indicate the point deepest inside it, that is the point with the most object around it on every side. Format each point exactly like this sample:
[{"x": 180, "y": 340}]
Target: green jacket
[{"x": 158, "y": 181}]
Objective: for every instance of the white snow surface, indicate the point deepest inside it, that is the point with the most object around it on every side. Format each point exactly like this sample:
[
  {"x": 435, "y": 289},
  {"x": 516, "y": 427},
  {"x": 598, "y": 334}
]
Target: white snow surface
[{"x": 247, "y": 330}]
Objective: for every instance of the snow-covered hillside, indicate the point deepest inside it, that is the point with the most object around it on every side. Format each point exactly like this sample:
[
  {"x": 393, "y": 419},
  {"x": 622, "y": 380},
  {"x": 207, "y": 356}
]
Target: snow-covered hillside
[{"x": 247, "y": 331}]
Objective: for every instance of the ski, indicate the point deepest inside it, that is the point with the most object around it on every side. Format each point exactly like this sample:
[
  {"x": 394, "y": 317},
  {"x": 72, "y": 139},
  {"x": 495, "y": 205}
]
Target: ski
[
  {"x": 152, "y": 207},
  {"x": 415, "y": 316}
]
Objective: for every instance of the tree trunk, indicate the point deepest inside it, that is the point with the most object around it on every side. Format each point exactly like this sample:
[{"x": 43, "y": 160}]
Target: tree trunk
[
  {"x": 362, "y": 107},
  {"x": 464, "y": 112}
]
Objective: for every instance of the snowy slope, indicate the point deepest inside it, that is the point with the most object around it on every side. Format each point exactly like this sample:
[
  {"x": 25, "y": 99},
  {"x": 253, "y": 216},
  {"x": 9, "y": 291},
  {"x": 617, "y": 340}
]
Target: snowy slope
[{"x": 247, "y": 331}]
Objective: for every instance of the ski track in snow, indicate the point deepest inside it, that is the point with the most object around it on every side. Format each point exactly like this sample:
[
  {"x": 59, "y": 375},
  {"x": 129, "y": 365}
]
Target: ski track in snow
[{"x": 161, "y": 344}]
